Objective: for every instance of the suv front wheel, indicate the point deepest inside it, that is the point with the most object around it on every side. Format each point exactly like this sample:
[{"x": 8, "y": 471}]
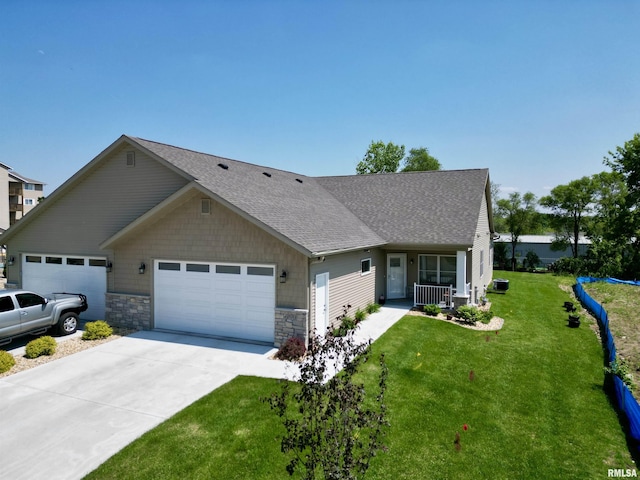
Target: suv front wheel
[{"x": 68, "y": 323}]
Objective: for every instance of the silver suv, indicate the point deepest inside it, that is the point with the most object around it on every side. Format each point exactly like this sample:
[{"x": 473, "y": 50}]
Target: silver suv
[{"x": 23, "y": 312}]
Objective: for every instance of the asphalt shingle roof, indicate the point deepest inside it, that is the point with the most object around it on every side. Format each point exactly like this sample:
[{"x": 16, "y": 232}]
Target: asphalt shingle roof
[
  {"x": 295, "y": 206},
  {"x": 415, "y": 208},
  {"x": 325, "y": 214}
]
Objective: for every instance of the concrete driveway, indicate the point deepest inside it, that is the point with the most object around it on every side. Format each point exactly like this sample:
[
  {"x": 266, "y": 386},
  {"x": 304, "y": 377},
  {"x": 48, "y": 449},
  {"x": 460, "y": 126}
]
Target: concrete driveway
[{"x": 63, "y": 419}]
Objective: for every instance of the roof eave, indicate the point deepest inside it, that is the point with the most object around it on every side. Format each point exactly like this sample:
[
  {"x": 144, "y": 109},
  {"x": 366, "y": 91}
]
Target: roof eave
[{"x": 347, "y": 250}]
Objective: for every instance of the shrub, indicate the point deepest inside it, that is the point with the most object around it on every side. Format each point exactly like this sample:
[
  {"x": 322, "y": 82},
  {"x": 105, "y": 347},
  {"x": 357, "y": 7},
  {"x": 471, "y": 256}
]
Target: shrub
[
  {"x": 569, "y": 265},
  {"x": 40, "y": 346},
  {"x": 334, "y": 424},
  {"x": 346, "y": 325},
  {"x": 293, "y": 349},
  {"x": 96, "y": 330},
  {"x": 532, "y": 260},
  {"x": 471, "y": 314},
  {"x": 621, "y": 369},
  {"x": 6, "y": 361},
  {"x": 432, "y": 310},
  {"x": 486, "y": 316},
  {"x": 360, "y": 315},
  {"x": 372, "y": 308}
]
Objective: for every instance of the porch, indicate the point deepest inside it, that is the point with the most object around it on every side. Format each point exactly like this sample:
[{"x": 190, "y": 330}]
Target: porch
[{"x": 441, "y": 295}]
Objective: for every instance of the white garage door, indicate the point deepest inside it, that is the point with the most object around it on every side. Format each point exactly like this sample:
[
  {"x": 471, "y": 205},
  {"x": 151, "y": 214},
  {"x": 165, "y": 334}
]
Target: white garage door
[
  {"x": 45, "y": 273},
  {"x": 228, "y": 300}
]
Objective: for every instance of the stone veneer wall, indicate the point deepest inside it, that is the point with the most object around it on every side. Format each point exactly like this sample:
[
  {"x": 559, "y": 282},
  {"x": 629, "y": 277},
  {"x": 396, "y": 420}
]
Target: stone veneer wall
[
  {"x": 125, "y": 310},
  {"x": 291, "y": 322}
]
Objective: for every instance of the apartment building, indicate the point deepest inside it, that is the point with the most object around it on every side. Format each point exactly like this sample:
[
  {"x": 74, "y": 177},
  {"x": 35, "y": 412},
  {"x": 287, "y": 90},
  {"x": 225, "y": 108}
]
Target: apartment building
[{"x": 18, "y": 195}]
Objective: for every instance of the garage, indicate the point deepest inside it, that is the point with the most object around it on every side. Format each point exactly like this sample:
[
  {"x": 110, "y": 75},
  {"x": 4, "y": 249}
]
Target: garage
[
  {"x": 221, "y": 299},
  {"x": 46, "y": 273}
]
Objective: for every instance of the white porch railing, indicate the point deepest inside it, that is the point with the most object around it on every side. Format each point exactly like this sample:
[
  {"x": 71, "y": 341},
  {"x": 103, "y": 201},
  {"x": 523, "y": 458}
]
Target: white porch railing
[{"x": 432, "y": 295}]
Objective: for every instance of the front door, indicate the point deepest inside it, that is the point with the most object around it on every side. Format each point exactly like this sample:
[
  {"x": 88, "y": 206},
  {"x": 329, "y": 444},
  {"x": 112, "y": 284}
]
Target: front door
[
  {"x": 396, "y": 275},
  {"x": 322, "y": 303}
]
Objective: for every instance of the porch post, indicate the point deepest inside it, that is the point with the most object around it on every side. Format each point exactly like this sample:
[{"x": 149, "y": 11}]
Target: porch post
[{"x": 461, "y": 297}]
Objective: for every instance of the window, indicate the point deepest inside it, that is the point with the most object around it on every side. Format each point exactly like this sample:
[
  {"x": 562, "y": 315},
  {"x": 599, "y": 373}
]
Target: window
[
  {"x": 205, "y": 206},
  {"x": 437, "y": 270},
  {"x": 481, "y": 263},
  {"x": 169, "y": 266},
  {"x": 55, "y": 260},
  {"x": 75, "y": 261},
  {"x": 197, "y": 267},
  {"x": 6, "y": 304},
  {"x": 28, "y": 201},
  {"x": 365, "y": 266},
  {"x": 93, "y": 262},
  {"x": 34, "y": 259},
  {"x": 264, "y": 271},
  {"x": 131, "y": 159},
  {"x": 231, "y": 269},
  {"x": 29, "y": 186},
  {"x": 26, "y": 300}
]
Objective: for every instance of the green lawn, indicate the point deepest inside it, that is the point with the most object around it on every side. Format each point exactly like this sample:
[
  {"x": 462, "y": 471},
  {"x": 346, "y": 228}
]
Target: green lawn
[{"x": 534, "y": 409}]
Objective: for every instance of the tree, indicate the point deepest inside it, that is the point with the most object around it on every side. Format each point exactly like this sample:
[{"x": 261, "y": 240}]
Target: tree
[
  {"x": 333, "y": 428},
  {"x": 519, "y": 212},
  {"x": 500, "y": 254},
  {"x": 420, "y": 160},
  {"x": 625, "y": 161},
  {"x": 498, "y": 221},
  {"x": 381, "y": 158},
  {"x": 570, "y": 205}
]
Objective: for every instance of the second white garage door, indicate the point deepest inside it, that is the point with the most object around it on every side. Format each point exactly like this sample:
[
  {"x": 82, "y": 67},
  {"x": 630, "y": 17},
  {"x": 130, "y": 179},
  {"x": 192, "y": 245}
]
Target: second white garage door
[
  {"x": 228, "y": 300},
  {"x": 44, "y": 273}
]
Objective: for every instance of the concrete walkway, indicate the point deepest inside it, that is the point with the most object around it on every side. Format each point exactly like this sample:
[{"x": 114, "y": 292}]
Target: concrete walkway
[{"x": 63, "y": 419}]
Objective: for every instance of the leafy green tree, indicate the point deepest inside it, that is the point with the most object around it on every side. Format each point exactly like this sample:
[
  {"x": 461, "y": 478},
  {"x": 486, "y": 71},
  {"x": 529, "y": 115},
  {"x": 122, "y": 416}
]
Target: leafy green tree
[
  {"x": 334, "y": 427},
  {"x": 570, "y": 205},
  {"x": 625, "y": 226},
  {"x": 420, "y": 160},
  {"x": 609, "y": 206},
  {"x": 519, "y": 212},
  {"x": 381, "y": 158},
  {"x": 531, "y": 260},
  {"x": 500, "y": 254},
  {"x": 498, "y": 221}
]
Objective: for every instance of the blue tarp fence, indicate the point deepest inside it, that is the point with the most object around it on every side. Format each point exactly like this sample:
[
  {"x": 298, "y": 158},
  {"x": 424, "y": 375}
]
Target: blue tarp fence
[{"x": 624, "y": 398}]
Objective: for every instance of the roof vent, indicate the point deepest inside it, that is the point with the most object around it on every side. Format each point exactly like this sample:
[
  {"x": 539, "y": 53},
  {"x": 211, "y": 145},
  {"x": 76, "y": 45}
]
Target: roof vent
[
  {"x": 223, "y": 166},
  {"x": 266, "y": 174},
  {"x": 298, "y": 180}
]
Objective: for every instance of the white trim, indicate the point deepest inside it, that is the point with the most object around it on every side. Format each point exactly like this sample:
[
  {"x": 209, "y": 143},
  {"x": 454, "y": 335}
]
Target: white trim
[
  {"x": 368, "y": 272},
  {"x": 321, "y": 327},
  {"x": 403, "y": 292}
]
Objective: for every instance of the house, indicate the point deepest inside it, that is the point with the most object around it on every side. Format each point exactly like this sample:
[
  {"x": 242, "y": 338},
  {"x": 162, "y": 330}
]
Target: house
[
  {"x": 541, "y": 246},
  {"x": 18, "y": 195},
  {"x": 163, "y": 237}
]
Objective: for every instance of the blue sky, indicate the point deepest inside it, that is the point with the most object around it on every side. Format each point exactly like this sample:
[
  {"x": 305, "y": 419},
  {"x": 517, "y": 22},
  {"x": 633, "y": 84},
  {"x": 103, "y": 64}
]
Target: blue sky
[{"x": 537, "y": 91}]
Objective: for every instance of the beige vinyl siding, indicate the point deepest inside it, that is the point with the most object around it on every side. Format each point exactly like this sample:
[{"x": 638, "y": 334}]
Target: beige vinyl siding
[
  {"x": 347, "y": 286},
  {"x": 182, "y": 232},
  {"x": 101, "y": 203},
  {"x": 482, "y": 243}
]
